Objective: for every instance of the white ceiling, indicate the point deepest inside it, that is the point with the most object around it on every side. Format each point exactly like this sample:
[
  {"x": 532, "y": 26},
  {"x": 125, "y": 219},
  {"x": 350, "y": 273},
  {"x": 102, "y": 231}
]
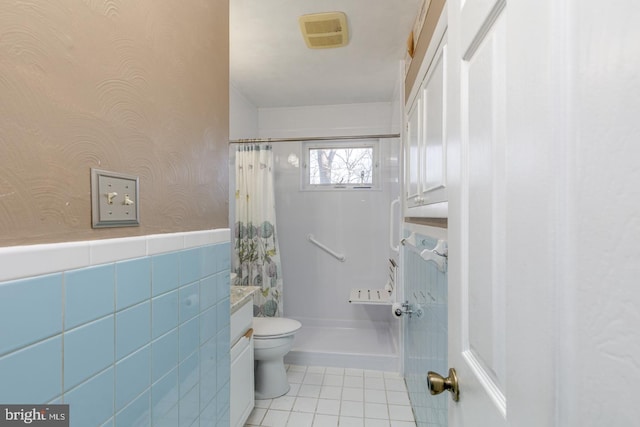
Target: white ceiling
[{"x": 272, "y": 67}]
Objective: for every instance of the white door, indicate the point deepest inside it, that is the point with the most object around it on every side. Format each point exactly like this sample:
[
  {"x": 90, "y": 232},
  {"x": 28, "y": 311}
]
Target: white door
[{"x": 501, "y": 233}]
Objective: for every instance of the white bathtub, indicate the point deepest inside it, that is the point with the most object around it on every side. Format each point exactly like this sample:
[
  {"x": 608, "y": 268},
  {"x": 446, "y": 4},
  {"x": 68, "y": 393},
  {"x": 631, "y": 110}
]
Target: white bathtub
[{"x": 346, "y": 344}]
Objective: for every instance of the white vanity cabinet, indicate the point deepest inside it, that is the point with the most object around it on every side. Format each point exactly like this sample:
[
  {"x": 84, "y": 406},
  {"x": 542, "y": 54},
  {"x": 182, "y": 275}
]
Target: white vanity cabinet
[
  {"x": 426, "y": 139},
  {"x": 242, "y": 383}
]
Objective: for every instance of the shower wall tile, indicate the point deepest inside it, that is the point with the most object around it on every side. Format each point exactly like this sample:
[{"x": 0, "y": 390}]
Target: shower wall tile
[
  {"x": 130, "y": 335},
  {"x": 22, "y": 302}
]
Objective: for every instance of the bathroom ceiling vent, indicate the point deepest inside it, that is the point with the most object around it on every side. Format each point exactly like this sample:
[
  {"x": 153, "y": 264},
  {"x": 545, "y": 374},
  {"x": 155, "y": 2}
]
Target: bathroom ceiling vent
[{"x": 324, "y": 30}]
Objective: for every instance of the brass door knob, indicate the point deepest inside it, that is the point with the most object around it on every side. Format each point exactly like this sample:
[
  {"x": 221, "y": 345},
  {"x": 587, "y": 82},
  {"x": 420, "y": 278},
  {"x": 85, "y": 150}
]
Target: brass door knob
[{"x": 437, "y": 384}]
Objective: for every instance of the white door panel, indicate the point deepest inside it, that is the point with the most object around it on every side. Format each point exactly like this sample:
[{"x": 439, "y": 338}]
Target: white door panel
[
  {"x": 484, "y": 286},
  {"x": 540, "y": 272},
  {"x": 482, "y": 264},
  {"x": 501, "y": 270}
]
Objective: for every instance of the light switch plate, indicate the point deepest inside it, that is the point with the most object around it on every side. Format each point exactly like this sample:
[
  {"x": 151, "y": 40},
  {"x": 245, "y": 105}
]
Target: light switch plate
[{"x": 114, "y": 199}]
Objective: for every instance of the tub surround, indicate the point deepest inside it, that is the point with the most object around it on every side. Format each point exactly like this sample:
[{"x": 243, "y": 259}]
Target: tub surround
[{"x": 129, "y": 331}]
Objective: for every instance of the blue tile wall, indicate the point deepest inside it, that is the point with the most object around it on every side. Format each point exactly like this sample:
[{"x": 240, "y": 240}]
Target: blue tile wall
[
  {"x": 133, "y": 282},
  {"x": 133, "y": 328},
  {"x": 89, "y": 293},
  {"x": 88, "y": 350},
  {"x": 36, "y": 364},
  {"x": 164, "y": 354},
  {"x": 165, "y": 273},
  {"x": 29, "y": 303},
  {"x": 133, "y": 376},
  {"x": 165, "y": 313},
  {"x": 425, "y": 335},
  {"x": 136, "y": 342}
]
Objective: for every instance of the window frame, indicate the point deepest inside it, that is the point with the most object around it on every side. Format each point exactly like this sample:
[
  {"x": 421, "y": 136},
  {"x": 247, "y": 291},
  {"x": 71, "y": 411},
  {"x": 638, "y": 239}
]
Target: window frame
[{"x": 305, "y": 170}]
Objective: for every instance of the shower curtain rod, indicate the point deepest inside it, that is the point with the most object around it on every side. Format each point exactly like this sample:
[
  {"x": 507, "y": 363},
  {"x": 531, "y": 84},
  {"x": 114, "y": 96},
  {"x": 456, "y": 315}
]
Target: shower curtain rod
[{"x": 311, "y": 138}]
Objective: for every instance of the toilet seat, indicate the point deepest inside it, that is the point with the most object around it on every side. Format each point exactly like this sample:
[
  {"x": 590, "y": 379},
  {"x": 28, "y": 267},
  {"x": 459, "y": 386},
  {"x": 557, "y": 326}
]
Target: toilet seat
[{"x": 274, "y": 327}]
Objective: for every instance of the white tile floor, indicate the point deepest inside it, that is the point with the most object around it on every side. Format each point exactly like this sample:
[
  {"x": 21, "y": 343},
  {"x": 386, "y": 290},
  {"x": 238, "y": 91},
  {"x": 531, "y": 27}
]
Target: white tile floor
[{"x": 331, "y": 397}]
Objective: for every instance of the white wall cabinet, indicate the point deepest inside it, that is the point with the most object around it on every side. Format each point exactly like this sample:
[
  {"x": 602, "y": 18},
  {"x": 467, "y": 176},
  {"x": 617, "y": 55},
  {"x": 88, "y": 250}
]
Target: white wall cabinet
[{"x": 425, "y": 138}]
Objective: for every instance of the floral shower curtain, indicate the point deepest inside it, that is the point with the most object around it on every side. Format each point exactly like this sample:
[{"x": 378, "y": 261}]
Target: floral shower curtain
[{"x": 256, "y": 258}]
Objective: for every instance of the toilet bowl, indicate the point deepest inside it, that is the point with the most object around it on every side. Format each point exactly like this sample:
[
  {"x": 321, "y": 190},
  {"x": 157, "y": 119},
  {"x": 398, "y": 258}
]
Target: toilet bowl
[{"x": 272, "y": 340}]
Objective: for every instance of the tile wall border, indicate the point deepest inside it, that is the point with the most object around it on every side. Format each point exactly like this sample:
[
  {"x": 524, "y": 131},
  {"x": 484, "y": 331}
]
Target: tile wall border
[{"x": 18, "y": 262}]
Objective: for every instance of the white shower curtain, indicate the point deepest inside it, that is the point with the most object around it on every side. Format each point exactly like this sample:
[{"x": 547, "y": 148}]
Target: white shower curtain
[{"x": 256, "y": 258}]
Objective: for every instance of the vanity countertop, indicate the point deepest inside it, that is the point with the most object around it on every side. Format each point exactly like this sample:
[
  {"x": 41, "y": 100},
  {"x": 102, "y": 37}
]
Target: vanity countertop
[{"x": 240, "y": 295}]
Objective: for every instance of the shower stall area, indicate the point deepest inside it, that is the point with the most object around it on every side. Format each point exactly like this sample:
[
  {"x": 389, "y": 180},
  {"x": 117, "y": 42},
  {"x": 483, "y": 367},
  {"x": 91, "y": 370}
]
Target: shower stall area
[
  {"x": 335, "y": 239},
  {"x": 336, "y": 173}
]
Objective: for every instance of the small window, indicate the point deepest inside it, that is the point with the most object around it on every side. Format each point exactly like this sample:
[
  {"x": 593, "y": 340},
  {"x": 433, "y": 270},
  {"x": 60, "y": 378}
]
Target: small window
[{"x": 341, "y": 165}]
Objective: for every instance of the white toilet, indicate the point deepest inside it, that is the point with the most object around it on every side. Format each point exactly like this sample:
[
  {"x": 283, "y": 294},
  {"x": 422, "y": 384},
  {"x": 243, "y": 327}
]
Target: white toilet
[{"x": 272, "y": 340}]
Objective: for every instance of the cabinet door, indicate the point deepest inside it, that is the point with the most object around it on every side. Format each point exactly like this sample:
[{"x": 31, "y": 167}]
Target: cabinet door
[
  {"x": 414, "y": 155},
  {"x": 242, "y": 384},
  {"x": 426, "y": 153},
  {"x": 433, "y": 173}
]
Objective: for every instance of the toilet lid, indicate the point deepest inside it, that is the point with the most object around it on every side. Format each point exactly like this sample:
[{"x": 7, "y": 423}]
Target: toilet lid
[{"x": 274, "y": 326}]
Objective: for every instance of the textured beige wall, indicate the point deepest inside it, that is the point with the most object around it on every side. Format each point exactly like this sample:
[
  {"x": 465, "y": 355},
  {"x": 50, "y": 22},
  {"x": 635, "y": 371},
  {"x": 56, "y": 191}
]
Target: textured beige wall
[{"x": 132, "y": 86}]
